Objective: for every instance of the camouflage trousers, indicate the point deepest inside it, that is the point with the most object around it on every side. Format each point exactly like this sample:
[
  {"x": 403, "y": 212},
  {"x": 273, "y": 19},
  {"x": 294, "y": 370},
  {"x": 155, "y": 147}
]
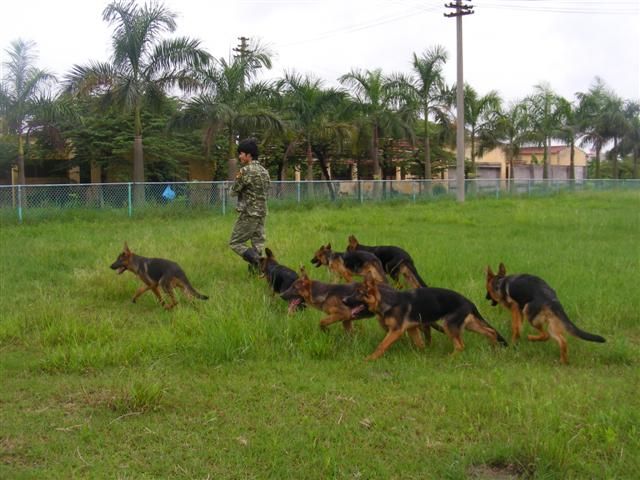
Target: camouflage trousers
[{"x": 248, "y": 228}]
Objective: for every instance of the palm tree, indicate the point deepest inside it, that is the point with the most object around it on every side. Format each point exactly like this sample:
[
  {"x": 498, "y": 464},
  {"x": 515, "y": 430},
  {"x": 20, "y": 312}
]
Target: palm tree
[
  {"x": 512, "y": 130},
  {"x": 373, "y": 95},
  {"x": 232, "y": 103},
  {"x": 427, "y": 92},
  {"x": 616, "y": 123},
  {"x": 593, "y": 104},
  {"x": 481, "y": 115},
  {"x": 143, "y": 67},
  {"x": 546, "y": 110},
  {"x": 309, "y": 107},
  {"x": 630, "y": 142},
  {"x": 23, "y": 95}
]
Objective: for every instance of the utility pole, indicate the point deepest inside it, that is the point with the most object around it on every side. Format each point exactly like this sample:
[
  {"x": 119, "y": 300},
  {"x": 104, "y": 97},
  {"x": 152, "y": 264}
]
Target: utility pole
[
  {"x": 460, "y": 11},
  {"x": 243, "y": 48}
]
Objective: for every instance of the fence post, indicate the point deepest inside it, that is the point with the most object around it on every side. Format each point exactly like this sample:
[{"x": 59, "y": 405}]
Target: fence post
[
  {"x": 360, "y": 191},
  {"x": 129, "y": 198},
  {"x": 298, "y": 191},
  {"x": 224, "y": 198},
  {"x": 413, "y": 191},
  {"x": 20, "y": 203}
]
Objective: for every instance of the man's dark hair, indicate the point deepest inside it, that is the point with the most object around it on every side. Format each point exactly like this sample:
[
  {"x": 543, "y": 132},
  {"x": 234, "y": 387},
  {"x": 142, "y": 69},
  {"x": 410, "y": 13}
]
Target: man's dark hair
[{"x": 249, "y": 146}]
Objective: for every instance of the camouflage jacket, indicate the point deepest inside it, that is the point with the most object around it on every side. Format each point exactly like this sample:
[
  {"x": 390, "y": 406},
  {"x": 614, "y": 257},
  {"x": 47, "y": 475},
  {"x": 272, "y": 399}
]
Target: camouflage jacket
[{"x": 252, "y": 188}]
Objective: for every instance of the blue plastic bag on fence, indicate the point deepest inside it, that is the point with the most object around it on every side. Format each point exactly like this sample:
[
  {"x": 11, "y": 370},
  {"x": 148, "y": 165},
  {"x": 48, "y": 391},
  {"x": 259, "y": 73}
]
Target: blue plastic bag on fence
[{"x": 168, "y": 193}]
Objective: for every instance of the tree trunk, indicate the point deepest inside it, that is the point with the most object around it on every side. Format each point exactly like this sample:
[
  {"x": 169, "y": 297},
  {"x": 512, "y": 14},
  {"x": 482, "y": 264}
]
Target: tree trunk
[
  {"x": 598, "y": 161},
  {"x": 138, "y": 171},
  {"x": 22, "y": 179},
  {"x": 374, "y": 154},
  {"x": 545, "y": 160},
  {"x": 473, "y": 152},
  {"x": 635, "y": 163},
  {"x": 309, "y": 162},
  {"x": 572, "y": 163},
  {"x": 233, "y": 160},
  {"x": 285, "y": 159},
  {"x": 325, "y": 172},
  {"x": 427, "y": 154},
  {"x": 614, "y": 158},
  {"x": 96, "y": 178}
]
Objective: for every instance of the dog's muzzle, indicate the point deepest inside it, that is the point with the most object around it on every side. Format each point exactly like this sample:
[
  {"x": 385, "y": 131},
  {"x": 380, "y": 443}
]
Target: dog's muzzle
[{"x": 119, "y": 267}]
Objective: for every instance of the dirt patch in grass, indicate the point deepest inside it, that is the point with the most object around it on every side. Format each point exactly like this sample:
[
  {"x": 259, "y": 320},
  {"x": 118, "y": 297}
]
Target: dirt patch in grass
[
  {"x": 499, "y": 471},
  {"x": 11, "y": 451}
]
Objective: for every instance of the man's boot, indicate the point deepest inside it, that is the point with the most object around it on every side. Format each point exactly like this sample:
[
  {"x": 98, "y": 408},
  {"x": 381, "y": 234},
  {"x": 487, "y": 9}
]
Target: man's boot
[{"x": 252, "y": 257}]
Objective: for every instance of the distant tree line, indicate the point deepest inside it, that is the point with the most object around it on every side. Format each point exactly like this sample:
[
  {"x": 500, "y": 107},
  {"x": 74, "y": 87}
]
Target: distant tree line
[{"x": 162, "y": 102}]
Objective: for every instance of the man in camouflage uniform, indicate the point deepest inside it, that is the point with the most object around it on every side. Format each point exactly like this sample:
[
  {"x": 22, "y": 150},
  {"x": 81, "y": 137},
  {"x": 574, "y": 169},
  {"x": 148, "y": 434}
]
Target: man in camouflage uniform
[{"x": 251, "y": 187}]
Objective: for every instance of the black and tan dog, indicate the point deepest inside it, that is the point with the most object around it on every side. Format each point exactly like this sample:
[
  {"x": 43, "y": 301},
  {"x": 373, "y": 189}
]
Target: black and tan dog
[
  {"x": 416, "y": 310},
  {"x": 395, "y": 261},
  {"x": 155, "y": 272},
  {"x": 348, "y": 264},
  {"x": 329, "y": 298},
  {"x": 531, "y": 297},
  {"x": 278, "y": 276}
]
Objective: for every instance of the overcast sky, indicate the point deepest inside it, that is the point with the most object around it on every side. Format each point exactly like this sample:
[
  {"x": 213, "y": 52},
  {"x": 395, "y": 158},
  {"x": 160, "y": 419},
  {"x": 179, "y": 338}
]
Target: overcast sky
[{"x": 509, "y": 45}]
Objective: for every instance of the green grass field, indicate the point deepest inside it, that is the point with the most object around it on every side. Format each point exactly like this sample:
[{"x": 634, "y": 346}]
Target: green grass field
[{"x": 94, "y": 386}]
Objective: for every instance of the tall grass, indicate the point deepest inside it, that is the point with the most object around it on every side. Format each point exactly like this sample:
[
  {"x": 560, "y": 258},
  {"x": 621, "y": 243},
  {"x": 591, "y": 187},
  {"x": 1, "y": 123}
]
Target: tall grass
[{"x": 95, "y": 386}]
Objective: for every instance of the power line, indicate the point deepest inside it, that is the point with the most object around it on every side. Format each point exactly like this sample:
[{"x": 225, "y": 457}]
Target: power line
[{"x": 346, "y": 29}]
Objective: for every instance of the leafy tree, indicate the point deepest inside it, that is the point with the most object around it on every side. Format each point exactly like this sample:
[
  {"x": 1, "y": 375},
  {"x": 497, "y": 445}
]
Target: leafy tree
[{"x": 143, "y": 68}]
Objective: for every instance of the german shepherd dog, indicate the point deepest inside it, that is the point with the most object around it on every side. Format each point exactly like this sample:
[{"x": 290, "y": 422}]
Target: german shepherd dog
[
  {"x": 415, "y": 310},
  {"x": 329, "y": 298},
  {"x": 156, "y": 272},
  {"x": 279, "y": 277},
  {"x": 347, "y": 264},
  {"x": 395, "y": 261},
  {"x": 531, "y": 297}
]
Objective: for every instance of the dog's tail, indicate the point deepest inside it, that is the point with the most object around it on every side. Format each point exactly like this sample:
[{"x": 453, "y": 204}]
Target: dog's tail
[
  {"x": 556, "y": 308},
  {"x": 499, "y": 337},
  {"x": 192, "y": 290},
  {"x": 408, "y": 269}
]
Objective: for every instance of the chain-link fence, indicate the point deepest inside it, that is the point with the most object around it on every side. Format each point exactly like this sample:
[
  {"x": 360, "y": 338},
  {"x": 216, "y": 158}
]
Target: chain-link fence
[{"x": 37, "y": 201}]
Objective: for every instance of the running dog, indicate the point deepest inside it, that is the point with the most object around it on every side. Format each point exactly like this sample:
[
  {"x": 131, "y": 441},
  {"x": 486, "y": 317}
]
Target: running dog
[
  {"x": 279, "y": 277},
  {"x": 154, "y": 273},
  {"x": 395, "y": 261},
  {"x": 329, "y": 298},
  {"x": 531, "y": 297},
  {"x": 418, "y": 309},
  {"x": 347, "y": 264}
]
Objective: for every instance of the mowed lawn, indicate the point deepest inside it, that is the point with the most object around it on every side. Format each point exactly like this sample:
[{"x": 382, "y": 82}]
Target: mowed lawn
[{"x": 94, "y": 386}]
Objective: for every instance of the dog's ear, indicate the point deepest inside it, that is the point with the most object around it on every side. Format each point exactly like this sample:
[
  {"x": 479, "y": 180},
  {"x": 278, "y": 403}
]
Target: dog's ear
[
  {"x": 126, "y": 248},
  {"x": 268, "y": 252},
  {"x": 328, "y": 247},
  {"x": 502, "y": 271},
  {"x": 490, "y": 273},
  {"x": 303, "y": 272}
]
